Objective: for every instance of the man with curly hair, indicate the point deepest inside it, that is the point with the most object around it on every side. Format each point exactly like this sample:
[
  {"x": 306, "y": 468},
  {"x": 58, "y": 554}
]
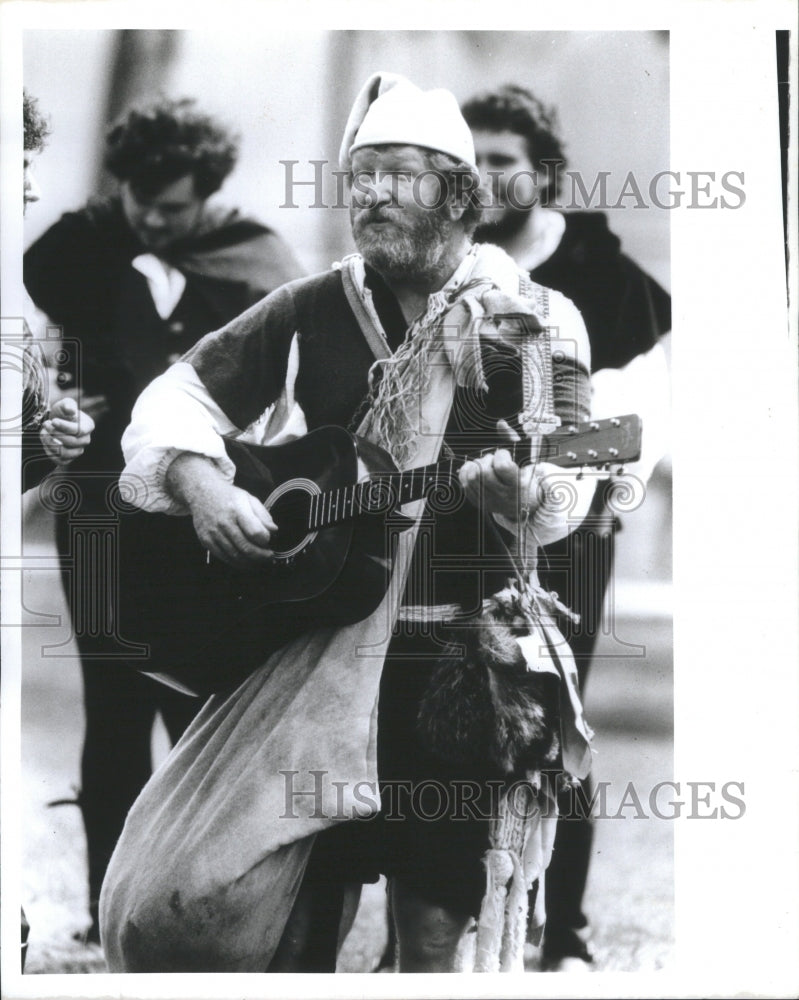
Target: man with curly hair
[
  {"x": 36, "y": 131},
  {"x": 134, "y": 281},
  {"x": 626, "y": 313}
]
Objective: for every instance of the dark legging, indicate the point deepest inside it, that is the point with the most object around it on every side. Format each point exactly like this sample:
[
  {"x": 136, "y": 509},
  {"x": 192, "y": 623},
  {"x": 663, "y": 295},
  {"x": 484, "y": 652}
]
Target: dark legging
[{"x": 578, "y": 568}]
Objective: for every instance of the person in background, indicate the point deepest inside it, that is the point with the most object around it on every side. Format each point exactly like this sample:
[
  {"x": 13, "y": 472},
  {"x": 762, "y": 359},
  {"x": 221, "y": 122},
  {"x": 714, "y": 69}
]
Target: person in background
[
  {"x": 133, "y": 281},
  {"x": 627, "y": 315},
  {"x": 52, "y": 437}
]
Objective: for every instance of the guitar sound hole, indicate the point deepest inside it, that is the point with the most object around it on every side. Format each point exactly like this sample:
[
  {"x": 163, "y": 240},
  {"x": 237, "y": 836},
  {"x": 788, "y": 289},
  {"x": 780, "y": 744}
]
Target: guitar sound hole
[{"x": 290, "y": 512}]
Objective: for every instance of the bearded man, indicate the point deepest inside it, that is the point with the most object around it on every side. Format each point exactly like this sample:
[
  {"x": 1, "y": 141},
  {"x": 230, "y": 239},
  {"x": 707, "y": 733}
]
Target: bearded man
[{"x": 406, "y": 341}]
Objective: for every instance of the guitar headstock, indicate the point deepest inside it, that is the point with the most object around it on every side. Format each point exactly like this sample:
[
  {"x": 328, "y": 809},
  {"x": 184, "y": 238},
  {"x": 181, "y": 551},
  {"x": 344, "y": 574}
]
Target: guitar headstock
[{"x": 594, "y": 443}]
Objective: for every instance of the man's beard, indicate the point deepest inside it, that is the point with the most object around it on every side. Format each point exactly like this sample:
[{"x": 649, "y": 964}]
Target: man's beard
[
  {"x": 503, "y": 227},
  {"x": 409, "y": 248}
]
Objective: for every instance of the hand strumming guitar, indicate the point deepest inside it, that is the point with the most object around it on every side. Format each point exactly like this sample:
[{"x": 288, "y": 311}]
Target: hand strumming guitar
[{"x": 230, "y": 522}]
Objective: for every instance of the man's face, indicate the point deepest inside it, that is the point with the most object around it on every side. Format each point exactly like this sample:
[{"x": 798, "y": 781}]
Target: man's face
[
  {"x": 31, "y": 192},
  {"x": 507, "y": 173},
  {"x": 160, "y": 219},
  {"x": 396, "y": 209}
]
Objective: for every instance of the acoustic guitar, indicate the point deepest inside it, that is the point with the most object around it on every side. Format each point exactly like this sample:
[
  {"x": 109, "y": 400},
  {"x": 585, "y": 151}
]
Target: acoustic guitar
[{"x": 207, "y": 625}]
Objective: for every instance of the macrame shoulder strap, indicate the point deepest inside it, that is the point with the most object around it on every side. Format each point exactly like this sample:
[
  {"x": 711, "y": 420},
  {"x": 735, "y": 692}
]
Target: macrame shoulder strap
[
  {"x": 538, "y": 378},
  {"x": 374, "y": 337}
]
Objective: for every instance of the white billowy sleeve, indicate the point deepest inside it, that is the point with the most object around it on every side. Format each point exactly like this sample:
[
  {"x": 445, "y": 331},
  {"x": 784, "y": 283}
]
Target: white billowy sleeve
[
  {"x": 174, "y": 414},
  {"x": 566, "y": 494}
]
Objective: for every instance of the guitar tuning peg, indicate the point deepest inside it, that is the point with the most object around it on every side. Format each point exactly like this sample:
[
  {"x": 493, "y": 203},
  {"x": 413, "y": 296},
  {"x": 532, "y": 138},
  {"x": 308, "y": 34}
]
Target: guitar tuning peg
[{"x": 581, "y": 473}]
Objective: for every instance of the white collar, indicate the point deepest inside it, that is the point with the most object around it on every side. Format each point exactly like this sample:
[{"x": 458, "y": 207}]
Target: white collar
[{"x": 165, "y": 282}]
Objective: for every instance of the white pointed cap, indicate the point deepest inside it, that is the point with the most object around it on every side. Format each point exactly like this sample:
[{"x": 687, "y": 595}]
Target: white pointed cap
[{"x": 390, "y": 110}]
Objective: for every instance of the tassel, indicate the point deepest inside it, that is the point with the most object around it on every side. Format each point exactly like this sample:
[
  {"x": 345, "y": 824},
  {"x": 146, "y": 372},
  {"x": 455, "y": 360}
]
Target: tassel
[
  {"x": 515, "y": 934},
  {"x": 502, "y": 926},
  {"x": 490, "y": 927}
]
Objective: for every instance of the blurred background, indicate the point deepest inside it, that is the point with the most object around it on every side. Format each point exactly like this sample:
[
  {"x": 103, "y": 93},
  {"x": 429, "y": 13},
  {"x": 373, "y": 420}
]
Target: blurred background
[{"x": 288, "y": 94}]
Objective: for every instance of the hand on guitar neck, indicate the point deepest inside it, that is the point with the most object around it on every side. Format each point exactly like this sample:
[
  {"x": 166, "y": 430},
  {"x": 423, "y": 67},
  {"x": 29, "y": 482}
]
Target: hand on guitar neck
[
  {"x": 495, "y": 481},
  {"x": 230, "y": 523}
]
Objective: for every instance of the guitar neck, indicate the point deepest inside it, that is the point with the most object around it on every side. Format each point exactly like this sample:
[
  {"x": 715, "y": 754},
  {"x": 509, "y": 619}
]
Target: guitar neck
[
  {"x": 595, "y": 443},
  {"x": 418, "y": 483}
]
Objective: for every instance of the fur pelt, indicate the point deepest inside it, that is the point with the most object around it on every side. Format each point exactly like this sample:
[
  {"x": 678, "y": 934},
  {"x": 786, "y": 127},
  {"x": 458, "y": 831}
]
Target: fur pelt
[{"x": 485, "y": 706}]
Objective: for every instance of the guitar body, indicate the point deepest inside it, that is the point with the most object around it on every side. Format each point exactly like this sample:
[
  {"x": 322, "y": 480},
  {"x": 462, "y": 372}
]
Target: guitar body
[{"x": 208, "y": 625}]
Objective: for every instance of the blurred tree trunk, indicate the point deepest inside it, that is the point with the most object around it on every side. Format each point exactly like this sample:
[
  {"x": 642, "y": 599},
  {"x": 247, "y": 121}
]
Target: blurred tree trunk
[{"x": 343, "y": 71}]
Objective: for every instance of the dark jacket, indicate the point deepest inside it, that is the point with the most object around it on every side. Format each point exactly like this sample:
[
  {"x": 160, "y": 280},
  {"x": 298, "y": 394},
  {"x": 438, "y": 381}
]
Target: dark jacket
[
  {"x": 625, "y": 310},
  {"x": 114, "y": 342}
]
